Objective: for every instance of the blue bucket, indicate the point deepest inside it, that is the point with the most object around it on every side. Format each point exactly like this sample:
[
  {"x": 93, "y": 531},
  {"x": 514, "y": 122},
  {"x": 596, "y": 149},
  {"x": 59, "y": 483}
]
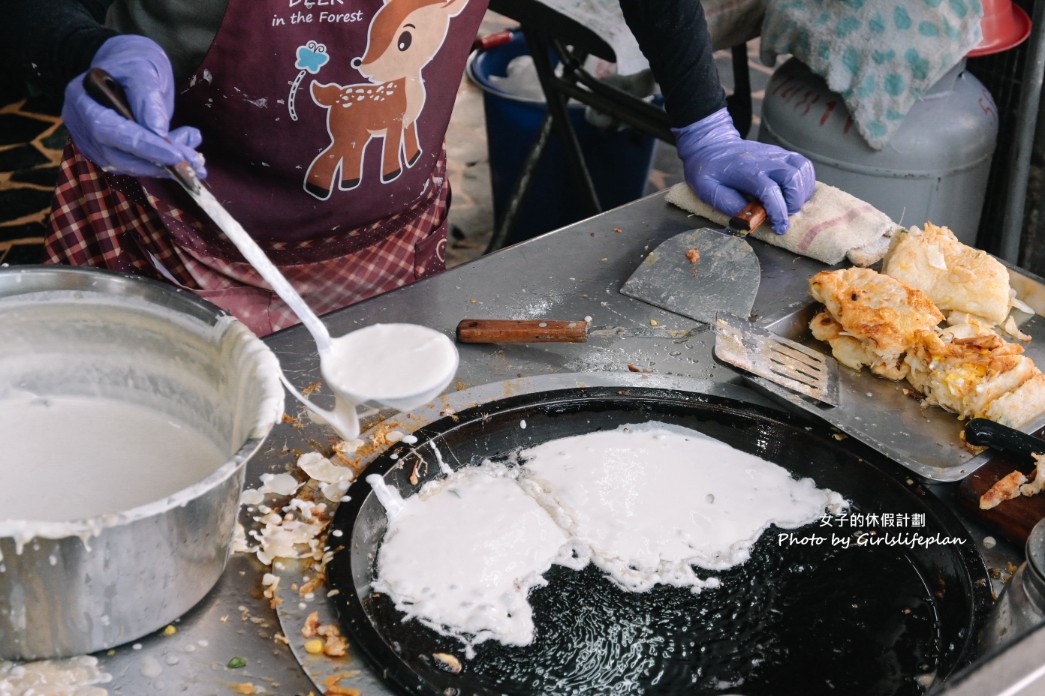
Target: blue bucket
[{"x": 619, "y": 160}]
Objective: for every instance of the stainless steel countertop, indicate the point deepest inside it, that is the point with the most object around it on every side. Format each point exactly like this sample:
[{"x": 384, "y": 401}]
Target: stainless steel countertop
[{"x": 571, "y": 273}]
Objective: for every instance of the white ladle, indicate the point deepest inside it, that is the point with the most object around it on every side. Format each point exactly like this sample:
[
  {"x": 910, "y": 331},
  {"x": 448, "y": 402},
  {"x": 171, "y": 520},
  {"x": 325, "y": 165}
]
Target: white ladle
[{"x": 401, "y": 366}]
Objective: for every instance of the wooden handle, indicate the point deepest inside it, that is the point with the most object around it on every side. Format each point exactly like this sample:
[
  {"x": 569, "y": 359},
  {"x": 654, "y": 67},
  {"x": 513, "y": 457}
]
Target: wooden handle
[
  {"x": 521, "y": 331},
  {"x": 104, "y": 89},
  {"x": 749, "y": 218},
  {"x": 987, "y": 433}
]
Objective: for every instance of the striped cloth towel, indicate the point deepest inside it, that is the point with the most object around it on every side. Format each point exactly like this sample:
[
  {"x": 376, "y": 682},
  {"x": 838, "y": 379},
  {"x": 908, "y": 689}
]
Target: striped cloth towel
[{"x": 833, "y": 225}]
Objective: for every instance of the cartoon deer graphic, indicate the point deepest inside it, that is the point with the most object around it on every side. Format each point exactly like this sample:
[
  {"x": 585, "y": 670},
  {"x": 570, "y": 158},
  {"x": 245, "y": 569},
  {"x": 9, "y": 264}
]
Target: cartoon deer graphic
[{"x": 403, "y": 38}]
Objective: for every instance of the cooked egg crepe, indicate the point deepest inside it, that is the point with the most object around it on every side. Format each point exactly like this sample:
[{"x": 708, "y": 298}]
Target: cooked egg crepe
[
  {"x": 953, "y": 275},
  {"x": 966, "y": 368},
  {"x": 876, "y": 318}
]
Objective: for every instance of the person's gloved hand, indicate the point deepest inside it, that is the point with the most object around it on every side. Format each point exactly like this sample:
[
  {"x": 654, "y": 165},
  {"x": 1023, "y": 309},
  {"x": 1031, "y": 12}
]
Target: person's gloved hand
[
  {"x": 721, "y": 167},
  {"x": 121, "y": 146}
]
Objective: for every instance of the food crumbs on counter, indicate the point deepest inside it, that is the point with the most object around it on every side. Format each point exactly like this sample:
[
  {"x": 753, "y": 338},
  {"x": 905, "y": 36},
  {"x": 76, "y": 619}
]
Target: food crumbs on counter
[
  {"x": 271, "y": 584},
  {"x": 415, "y": 477},
  {"x": 693, "y": 255},
  {"x": 653, "y": 322},
  {"x": 170, "y": 630},
  {"x": 314, "y": 646},
  {"x": 332, "y": 685},
  {"x": 312, "y": 388},
  {"x": 617, "y": 230},
  {"x": 634, "y": 368},
  {"x": 1005, "y": 488},
  {"x": 236, "y": 663},
  {"x": 310, "y": 585},
  {"x": 838, "y": 436},
  {"x": 244, "y": 688},
  {"x": 333, "y": 643},
  {"x": 989, "y": 542},
  {"x": 448, "y": 662}
]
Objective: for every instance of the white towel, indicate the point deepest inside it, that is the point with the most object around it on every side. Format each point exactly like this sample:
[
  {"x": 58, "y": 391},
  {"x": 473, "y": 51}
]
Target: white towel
[
  {"x": 830, "y": 227},
  {"x": 881, "y": 56}
]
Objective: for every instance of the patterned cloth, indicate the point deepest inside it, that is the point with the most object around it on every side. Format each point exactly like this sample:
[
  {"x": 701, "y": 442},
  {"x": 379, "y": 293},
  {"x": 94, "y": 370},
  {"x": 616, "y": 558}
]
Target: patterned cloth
[
  {"x": 880, "y": 55},
  {"x": 108, "y": 221},
  {"x": 833, "y": 225}
]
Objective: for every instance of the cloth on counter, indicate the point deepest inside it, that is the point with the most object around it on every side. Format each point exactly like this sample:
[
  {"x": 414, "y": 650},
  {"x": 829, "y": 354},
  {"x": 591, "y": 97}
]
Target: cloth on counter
[
  {"x": 881, "y": 56},
  {"x": 831, "y": 226},
  {"x": 729, "y": 22}
]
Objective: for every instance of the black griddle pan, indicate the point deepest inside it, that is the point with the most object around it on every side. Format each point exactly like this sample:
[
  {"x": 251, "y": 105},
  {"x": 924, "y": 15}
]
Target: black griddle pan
[{"x": 796, "y": 619}]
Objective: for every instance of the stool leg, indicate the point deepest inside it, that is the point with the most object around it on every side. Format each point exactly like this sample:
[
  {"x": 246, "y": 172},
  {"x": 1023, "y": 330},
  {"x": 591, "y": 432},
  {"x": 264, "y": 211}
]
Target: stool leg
[
  {"x": 739, "y": 102},
  {"x": 539, "y": 46}
]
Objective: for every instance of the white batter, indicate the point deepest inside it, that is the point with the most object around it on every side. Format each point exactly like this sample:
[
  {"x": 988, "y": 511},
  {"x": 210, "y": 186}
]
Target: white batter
[
  {"x": 462, "y": 555},
  {"x": 71, "y": 458},
  {"x": 645, "y": 503},
  {"x": 650, "y": 501},
  {"x": 387, "y": 362}
]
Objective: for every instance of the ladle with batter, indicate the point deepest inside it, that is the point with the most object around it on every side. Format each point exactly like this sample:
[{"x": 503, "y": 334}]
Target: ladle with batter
[{"x": 401, "y": 366}]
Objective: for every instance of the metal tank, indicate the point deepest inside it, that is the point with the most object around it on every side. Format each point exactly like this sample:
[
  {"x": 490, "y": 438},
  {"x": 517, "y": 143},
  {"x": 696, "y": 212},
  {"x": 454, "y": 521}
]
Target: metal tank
[{"x": 934, "y": 168}]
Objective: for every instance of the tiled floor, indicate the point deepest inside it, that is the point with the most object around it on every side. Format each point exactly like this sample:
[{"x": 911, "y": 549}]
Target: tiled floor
[{"x": 32, "y": 138}]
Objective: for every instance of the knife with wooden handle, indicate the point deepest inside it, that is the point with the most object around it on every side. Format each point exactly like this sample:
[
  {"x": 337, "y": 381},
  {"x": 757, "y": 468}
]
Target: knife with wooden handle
[
  {"x": 555, "y": 331},
  {"x": 748, "y": 219}
]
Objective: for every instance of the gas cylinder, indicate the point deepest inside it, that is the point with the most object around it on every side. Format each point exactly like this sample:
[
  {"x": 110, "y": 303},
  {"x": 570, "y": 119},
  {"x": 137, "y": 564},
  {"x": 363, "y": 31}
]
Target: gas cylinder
[{"x": 934, "y": 168}]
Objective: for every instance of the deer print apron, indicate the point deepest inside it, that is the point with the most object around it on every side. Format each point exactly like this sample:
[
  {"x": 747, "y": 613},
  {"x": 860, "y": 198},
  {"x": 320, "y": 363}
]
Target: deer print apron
[{"x": 323, "y": 123}]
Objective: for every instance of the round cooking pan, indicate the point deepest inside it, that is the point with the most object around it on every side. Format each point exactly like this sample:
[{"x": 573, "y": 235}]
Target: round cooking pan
[{"x": 802, "y": 618}]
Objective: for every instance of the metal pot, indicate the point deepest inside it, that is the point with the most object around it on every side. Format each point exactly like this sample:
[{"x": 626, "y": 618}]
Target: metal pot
[{"x": 80, "y": 586}]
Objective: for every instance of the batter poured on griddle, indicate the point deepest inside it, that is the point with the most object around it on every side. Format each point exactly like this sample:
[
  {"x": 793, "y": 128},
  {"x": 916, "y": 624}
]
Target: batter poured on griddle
[{"x": 647, "y": 504}]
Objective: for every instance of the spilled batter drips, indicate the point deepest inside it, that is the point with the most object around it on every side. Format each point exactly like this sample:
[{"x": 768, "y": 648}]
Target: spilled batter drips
[{"x": 647, "y": 504}]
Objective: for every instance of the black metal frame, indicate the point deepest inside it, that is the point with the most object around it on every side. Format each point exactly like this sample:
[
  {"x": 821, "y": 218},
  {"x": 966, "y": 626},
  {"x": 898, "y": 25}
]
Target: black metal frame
[{"x": 553, "y": 37}]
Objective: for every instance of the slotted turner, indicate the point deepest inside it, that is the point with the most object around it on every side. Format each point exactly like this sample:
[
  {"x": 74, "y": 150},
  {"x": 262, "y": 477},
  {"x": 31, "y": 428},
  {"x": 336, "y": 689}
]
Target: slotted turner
[{"x": 780, "y": 360}]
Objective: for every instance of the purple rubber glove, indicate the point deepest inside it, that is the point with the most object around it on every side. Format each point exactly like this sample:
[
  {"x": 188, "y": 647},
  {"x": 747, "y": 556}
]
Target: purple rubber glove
[
  {"x": 121, "y": 146},
  {"x": 721, "y": 167}
]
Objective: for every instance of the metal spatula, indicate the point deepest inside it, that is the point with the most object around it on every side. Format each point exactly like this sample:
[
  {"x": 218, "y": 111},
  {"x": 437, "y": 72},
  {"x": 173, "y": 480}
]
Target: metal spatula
[
  {"x": 780, "y": 360},
  {"x": 698, "y": 273}
]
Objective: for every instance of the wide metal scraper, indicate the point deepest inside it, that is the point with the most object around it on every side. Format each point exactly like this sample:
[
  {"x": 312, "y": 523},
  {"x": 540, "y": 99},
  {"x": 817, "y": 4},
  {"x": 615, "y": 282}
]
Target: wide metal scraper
[{"x": 697, "y": 274}]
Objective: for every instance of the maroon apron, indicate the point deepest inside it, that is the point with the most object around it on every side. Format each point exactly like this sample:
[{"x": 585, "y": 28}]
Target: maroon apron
[{"x": 323, "y": 123}]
